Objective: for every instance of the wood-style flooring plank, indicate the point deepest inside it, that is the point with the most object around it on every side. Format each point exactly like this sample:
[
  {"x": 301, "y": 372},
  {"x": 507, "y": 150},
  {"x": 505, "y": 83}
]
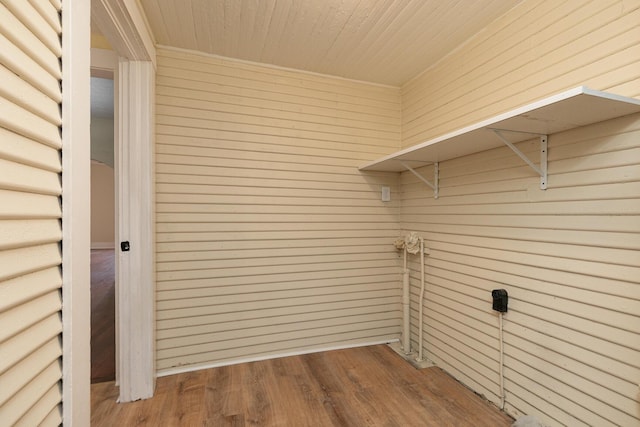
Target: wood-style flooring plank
[{"x": 366, "y": 386}]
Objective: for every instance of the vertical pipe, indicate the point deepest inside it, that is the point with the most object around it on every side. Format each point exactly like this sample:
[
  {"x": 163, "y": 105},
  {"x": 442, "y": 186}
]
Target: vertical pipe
[
  {"x": 420, "y": 315},
  {"x": 502, "y": 397},
  {"x": 406, "y": 308}
]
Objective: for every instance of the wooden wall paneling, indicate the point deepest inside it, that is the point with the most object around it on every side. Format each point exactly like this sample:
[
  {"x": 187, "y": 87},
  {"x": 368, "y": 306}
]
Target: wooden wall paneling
[{"x": 265, "y": 228}]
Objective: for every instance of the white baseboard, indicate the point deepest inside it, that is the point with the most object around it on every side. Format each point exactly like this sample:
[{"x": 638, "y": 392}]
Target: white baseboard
[
  {"x": 103, "y": 245},
  {"x": 184, "y": 369}
]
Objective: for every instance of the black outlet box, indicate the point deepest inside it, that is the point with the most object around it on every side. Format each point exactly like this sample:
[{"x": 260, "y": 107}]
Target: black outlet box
[{"x": 500, "y": 300}]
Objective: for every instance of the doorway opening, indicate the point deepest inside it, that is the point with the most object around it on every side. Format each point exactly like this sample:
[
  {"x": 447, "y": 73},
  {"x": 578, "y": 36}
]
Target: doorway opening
[{"x": 103, "y": 269}]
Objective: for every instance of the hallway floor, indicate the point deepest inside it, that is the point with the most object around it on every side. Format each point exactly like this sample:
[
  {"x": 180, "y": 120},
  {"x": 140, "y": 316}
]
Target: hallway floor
[{"x": 103, "y": 343}]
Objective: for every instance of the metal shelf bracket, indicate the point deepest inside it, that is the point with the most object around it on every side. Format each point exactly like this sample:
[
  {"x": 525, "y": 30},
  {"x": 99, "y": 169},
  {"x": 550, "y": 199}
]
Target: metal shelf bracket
[
  {"x": 434, "y": 186},
  {"x": 542, "y": 169}
]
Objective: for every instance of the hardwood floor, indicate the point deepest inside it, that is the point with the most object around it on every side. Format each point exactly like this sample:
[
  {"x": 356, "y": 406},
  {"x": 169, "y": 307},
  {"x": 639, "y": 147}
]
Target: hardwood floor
[
  {"x": 103, "y": 342},
  {"x": 366, "y": 386}
]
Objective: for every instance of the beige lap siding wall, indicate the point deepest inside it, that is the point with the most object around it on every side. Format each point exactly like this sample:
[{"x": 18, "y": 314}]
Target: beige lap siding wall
[
  {"x": 269, "y": 240},
  {"x": 568, "y": 256}
]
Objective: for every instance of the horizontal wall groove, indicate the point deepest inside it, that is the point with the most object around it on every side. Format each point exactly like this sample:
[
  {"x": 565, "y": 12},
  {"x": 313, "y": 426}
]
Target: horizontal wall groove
[
  {"x": 280, "y": 196},
  {"x": 175, "y": 127},
  {"x": 267, "y": 300},
  {"x": 585, "y": 295},
  {"x": 553, "y": 397},
  {"x": 196, "y": 349},
  {"x": 533, "y": 272},
  {"x": 594, "y": 239},
  {"x": 262, "y": 218},
  {"x": 623, "y": 356},
  {"x": 478, "y": 363},
  {"x": 513, "y": 256},
  {"x": 194, "y": 265},
  {"x": 606, "y": 223},
  {"x": 581, "y": 325},
  {"x": 262, "y": 155},
  {"x": 283, "y": 235},
  {"x": 198, "y": 107},
  {"x": 389, "y": 101},
  {"x": 248, "y": 208},
  {"x": 360, "y": 267},
  {"x": 544, "y": 207},
  {"x": 168, "y": 321},
  {"x": 232, "y": 244},
  {"x": 230, "y": 101},
  {"x": 482, "y": 341},
  {"x": 179, "y": 157},
  {"x": 273, "y": 251},
  {"x": 174, "y": 231},
  {"x": 275, "y": 280},
  {"x": 276, "y": 321},
  {"x": 371, "y": 298},
  {"x": 256, "y": 285},
  {"x": 254, "y": 95},
  {"x": 197, "y": 218},
  {"x": 242, "y": 142},
  {"x": 328, "y": 134},
  {"x": 217, "y": 176},
  {"x": 268, "y": 123},
  {"x": 173, "y": 260},
  {"x": 257, "y": 331},
  {"x": 605, "y": 393},
  {"x": 271, "y": 71},
  {"x": 574, "y": 353}
]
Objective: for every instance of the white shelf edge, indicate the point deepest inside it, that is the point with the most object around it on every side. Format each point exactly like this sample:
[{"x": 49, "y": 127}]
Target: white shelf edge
[{"x": 580, "y": 90}]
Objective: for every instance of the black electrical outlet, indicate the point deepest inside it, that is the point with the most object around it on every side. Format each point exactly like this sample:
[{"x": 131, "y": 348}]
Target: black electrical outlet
[
  {"x": 124, "y": 246},
  {"x": 500, "y": 300}
]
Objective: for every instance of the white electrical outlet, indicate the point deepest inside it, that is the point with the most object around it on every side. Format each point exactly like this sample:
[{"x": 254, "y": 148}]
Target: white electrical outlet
[{"x": 386, "y": 193}]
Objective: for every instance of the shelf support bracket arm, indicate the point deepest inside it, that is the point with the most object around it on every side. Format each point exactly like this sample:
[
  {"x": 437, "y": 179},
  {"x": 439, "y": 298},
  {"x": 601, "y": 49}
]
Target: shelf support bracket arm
[
  {"x": 542, "y": 170},
  {"x": 434, "y": 186}
]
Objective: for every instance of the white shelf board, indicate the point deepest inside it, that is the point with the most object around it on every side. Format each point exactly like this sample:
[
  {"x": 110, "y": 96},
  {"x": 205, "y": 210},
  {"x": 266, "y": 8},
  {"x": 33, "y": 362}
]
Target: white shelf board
[{"x": 577, "y": 107}]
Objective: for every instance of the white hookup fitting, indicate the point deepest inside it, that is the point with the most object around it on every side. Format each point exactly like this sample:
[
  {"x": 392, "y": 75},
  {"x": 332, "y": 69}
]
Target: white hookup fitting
[{"x": 412, "y": 244}]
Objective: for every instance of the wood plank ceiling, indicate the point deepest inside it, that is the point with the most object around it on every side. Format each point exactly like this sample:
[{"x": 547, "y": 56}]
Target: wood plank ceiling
[{"x": 381, "y": 41}]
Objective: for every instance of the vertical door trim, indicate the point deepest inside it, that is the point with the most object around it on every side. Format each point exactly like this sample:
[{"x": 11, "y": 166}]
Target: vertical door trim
[
  {"x": 136, "y": 224},
  {"x": 76, "y": 210}
]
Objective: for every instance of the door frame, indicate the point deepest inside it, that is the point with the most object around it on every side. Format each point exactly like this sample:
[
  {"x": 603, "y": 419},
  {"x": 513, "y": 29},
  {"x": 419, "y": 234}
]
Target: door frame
[{"x": 124, "y": 25}]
